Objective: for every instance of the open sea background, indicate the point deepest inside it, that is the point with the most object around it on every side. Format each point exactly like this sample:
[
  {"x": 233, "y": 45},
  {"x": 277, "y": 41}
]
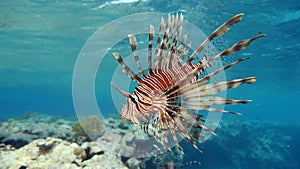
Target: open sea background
[{"x": 40, "y": 41}]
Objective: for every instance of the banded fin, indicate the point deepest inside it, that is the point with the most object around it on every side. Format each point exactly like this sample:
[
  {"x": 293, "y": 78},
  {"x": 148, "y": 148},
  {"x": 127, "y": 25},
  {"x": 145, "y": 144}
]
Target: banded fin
[
  {"x": 150, "y": 41},
  {"x": 126, "y": 69},
  {"x": 185, "y": 85},
  {"x": 201, "y": 67},
  {"x": 158, "y": 56},
  {"x": 168, "y": 45},
  {"x": 210, "y": 89},
  {"x": 133, "y": 45},
  {"x": 221, "y": 30},
  {"x": 237, "y": 47}
]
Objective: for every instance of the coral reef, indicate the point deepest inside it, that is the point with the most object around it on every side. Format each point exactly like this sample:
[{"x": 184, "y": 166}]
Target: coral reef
[
  {"x": 87, "y": 129},
  {"x": 20, "y": 131},
  {"x": 239, "y": 144},
  {"x": 57, "y": 153}
]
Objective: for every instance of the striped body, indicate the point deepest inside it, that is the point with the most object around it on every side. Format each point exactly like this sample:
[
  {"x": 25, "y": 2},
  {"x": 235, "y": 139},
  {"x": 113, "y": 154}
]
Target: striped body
[
  {"x": 166, "y": 101},
  {"x": 149, "y": 90}
]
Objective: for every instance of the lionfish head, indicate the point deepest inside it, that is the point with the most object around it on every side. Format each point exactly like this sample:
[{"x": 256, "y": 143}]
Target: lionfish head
[{"x": 129, "y": 110}]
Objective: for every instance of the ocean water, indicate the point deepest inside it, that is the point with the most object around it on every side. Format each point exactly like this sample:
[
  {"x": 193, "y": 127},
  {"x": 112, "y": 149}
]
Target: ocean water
[{"x": 40, "y": 41}]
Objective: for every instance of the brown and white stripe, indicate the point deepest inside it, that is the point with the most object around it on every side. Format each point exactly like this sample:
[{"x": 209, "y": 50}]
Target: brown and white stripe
[{"x": 166, "y": 100}]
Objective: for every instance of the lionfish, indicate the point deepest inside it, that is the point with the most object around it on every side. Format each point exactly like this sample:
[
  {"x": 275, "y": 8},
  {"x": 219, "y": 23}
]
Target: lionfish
[{"x": 167, "y": 99}]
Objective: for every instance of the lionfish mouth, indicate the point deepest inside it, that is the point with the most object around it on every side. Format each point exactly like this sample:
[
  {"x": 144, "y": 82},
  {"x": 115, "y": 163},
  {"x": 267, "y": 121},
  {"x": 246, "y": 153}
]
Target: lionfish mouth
[{"x": 168, "y": 96}]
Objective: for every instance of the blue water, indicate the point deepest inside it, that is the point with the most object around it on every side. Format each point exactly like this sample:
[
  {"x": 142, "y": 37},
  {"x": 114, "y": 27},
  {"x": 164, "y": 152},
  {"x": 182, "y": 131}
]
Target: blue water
[{"x": 40, "y": 41}]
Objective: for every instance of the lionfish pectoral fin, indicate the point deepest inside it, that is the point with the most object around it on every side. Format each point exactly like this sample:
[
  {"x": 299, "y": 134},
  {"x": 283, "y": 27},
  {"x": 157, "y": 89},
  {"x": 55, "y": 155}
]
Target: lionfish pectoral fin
[
  {"x": 200, "y": 97},
  {"x": 225, "y": 27},
  {"x": 205, "y": 79},
  {"x": 181, "y": 84},
  {"x": 209, "y": 108},
  {"x": 173, "y": 132},
  {"x": 178, "y": 126},
  {"x": 210, "y": 89},
  {"x": 237, "y": 47},
  {"x": 221, "y": 30},
  {"x": 135, "y": 120},
  {"x": 215, "y": 100}
]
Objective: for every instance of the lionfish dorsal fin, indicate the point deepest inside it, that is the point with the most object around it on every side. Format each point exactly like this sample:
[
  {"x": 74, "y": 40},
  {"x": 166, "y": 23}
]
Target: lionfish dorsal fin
[
  {"x": 150, "y": 45},
  {"x": 168, "y": 43},
  {"x": 133, "y": 45},
  {"x": 126, "y": 69},
  {"x": 158, "y": 44}
]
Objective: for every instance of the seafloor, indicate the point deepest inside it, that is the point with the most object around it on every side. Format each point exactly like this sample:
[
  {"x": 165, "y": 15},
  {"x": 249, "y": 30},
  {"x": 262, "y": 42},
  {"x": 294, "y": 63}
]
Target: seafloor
[{"x": 37, "y": 141}]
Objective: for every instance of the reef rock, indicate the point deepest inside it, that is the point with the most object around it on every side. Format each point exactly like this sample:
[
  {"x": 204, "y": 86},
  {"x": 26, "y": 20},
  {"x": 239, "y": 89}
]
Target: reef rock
[
  {"x": 56, "y": 153},
  {"x": 20, "y": 131}
]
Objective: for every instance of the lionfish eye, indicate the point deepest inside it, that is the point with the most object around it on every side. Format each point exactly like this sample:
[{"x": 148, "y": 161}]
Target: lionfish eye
[{"x": 132, "y": 99}]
